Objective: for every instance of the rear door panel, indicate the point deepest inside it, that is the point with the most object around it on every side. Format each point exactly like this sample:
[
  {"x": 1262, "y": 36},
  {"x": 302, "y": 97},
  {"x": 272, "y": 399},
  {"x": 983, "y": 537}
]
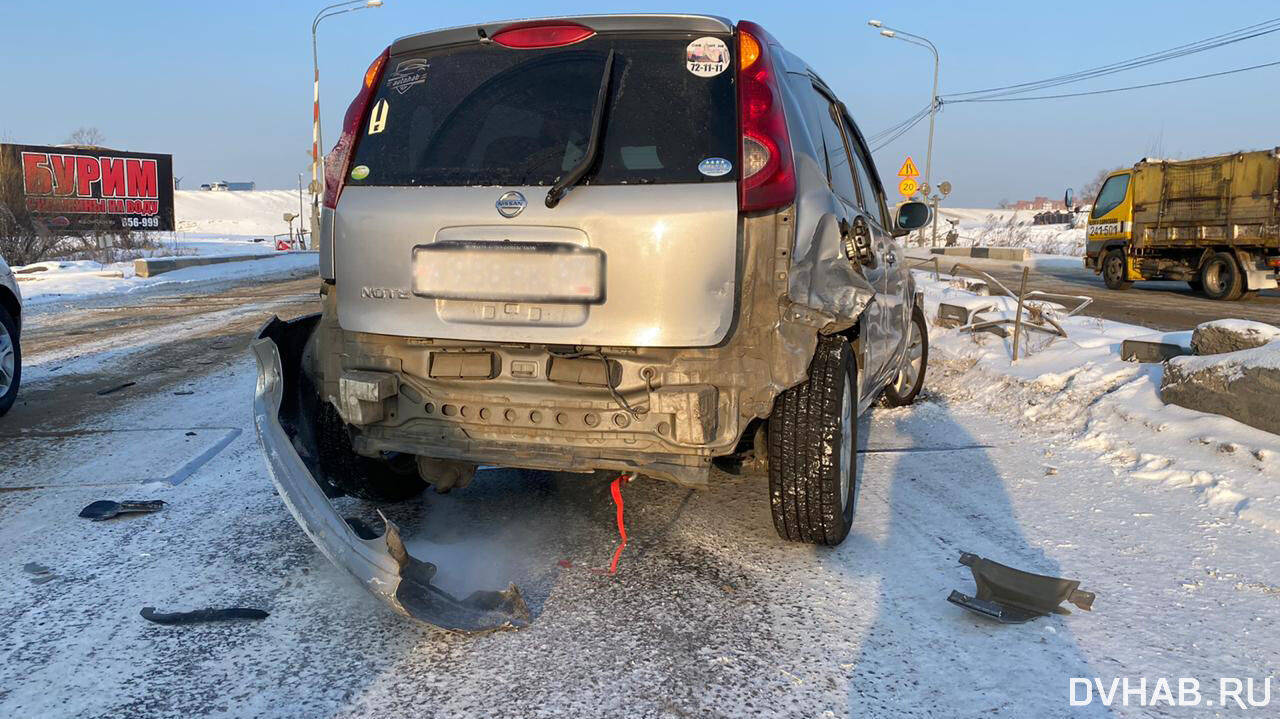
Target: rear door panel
[{"x": 670, "y": 260}]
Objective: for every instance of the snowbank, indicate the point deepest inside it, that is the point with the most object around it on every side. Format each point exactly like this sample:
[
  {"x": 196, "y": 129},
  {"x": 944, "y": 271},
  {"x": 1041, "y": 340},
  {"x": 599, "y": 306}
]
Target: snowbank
[
  {"x": 259, "y": 213},
  {"x": 1078, "y": 392},
  {"x": 209, "y": 223},
  {"x": 83, "y": 279},
  {"x": 1008, "y": 228}
]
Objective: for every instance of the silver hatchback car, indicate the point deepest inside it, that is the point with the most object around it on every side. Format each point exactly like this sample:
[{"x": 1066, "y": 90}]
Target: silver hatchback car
[{"x": 633, "y": 243}]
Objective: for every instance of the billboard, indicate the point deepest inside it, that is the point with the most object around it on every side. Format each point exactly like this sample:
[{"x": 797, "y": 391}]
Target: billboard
[{"x": 72, "y": 189}]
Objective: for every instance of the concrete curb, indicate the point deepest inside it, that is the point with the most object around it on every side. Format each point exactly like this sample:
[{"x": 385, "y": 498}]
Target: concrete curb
[
  {"x": 152, "y": 266},
  {"x": 1012, "y": 254}
]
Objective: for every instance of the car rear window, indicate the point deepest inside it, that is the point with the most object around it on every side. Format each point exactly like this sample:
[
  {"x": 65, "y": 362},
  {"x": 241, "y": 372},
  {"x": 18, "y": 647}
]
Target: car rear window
[{"x": 484, "y": 114}]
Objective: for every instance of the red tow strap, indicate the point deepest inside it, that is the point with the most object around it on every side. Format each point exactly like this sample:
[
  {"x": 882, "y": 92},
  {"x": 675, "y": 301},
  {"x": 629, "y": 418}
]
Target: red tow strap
[{"x": 616, "y": 490}]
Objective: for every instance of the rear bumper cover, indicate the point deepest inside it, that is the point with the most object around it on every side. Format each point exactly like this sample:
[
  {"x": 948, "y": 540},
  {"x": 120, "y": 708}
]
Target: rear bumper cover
[{"x": 379, "y": 563}]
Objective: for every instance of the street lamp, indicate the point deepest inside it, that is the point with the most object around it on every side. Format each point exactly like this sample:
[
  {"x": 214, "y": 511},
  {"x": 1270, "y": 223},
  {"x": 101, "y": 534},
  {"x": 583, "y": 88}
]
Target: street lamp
[
  {"x": 317, "y": 175},
  {"x": 933, "y": 99}
]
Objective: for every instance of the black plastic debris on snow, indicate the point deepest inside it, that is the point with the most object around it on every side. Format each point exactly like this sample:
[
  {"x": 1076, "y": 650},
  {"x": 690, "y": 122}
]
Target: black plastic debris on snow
[
  {"x": 115, "y": 388},
  {"x": 201, "y": 616},
  {"x": 1012, "y": 596},
  {"x": 106, "y": 509}
]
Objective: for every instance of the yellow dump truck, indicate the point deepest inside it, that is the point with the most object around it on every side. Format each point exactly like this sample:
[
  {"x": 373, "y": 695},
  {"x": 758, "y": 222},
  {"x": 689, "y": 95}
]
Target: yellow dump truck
[{"x": 1212, "y": 222}]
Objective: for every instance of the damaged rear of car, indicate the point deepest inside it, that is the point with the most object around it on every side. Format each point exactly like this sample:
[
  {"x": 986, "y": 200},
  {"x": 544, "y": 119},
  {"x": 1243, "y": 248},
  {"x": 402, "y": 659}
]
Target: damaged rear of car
[{"x": 624, "y": 243}]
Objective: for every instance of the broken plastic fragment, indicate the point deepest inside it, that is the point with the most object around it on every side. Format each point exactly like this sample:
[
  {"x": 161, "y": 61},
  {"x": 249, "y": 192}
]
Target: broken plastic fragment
[
  {"x": 106, "y": 509},
  {"x": 1012, "y": 596},
  {"x": 202, "y": 615}
]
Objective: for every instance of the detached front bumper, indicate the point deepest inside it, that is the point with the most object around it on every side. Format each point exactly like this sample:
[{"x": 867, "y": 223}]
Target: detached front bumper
[{"x": 380, "y": 563}]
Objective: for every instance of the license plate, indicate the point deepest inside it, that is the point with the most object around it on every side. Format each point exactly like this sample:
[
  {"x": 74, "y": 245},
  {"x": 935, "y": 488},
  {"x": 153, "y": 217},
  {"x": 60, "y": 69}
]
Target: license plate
[{"x": 509, "y": 272}]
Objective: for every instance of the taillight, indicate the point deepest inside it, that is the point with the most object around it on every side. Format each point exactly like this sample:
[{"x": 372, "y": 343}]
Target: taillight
[
  {"x": 338, "y": 162},
  {"x": 528, "y": 35},
  {"x": 768, "y": 175}
]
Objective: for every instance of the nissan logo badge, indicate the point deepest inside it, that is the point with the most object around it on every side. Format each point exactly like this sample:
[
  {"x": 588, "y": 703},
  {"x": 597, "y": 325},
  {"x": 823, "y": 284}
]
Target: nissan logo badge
[{"x": 510, "y": 204}]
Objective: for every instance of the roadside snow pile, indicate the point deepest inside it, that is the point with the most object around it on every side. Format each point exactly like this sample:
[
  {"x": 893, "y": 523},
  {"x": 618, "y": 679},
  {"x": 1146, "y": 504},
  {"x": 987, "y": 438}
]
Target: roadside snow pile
[
  {"x": 1221, "y": 336},
  {"x": 82, "y": 278},
  {"x": 1007, "y": 228},
  {"x": 1242, "y": 384},
  {"x": 209, "y": 223},
  {"x": 1077, "y": 391},
  {"x": 259, "y": 213}
]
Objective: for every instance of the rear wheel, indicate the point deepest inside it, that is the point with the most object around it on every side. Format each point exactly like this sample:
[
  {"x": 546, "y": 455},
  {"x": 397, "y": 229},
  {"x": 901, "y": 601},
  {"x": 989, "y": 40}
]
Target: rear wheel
[
  {"x": 10, "y": 361},
  {"x": 390, "y": 479},
  {"x": 813, "y": 432},
  {"x": 1115, "y": 271},
  {"x": 911, "y": 377},
  {"x": 1221, "y": 277}
]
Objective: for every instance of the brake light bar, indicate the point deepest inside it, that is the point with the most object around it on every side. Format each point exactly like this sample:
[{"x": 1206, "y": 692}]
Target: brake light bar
[
  {"x": 338, "y": 163},
  {"x": 529, "y": 35},
  {"x": 768, "y": 178}
]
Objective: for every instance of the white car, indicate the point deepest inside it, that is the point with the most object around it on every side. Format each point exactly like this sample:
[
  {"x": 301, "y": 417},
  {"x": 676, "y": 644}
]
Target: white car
[{"x": 10, "y": 327}]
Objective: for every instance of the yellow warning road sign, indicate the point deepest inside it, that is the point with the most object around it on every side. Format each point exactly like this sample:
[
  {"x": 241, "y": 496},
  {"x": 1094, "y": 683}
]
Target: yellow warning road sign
[
  {"x": 907, "y": 187},
  {"x": 908, "y": 169}
]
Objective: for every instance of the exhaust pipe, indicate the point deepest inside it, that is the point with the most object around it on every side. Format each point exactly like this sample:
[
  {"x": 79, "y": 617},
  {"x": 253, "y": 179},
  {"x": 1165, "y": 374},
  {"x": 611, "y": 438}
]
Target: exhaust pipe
[{"x": 379, "y": 562}]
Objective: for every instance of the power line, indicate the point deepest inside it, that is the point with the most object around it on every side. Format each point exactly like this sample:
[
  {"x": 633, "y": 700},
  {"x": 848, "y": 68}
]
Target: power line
[
  {"x": 904, "y": 130},
  {"x": 1120, "y": 89},
  {"x": 1251, "y": 31},
  {"x": 890, "y": 130}
]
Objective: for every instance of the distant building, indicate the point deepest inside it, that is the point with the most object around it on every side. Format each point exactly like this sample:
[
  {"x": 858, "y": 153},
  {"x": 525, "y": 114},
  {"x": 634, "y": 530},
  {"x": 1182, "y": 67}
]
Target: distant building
[
  {"x": 224, "y": 186},
  {"x": 1039, "y": 204}
]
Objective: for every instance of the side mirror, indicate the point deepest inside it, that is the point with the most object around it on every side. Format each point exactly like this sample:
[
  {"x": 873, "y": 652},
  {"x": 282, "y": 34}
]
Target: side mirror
[
  {"x": 911, "y": 216},
  {"x": 1069, "y": 199}
]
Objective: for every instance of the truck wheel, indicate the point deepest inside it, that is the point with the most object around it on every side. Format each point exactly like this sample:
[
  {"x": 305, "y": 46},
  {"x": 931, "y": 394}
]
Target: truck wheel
[
  {"x": 380, "y": 480},
  {"x": 1114, "y": 271},
  {"x": 813, "y": 434},
  {"x": 911, "y": 377},
  {"x": 1221, "y": 277},
  {"x": 10, "y": 361}
]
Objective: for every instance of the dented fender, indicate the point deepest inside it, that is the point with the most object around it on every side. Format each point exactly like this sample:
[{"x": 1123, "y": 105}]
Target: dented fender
[{"x": 380, "y": 563}]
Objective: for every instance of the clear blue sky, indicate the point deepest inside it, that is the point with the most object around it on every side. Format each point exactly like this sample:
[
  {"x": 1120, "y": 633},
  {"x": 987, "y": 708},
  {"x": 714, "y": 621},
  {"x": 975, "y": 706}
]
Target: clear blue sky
[{"x": 226, "y": 86}]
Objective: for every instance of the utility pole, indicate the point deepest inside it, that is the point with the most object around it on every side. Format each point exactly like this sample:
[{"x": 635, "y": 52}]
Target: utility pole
[
  {"x": 933, "y": 105},
  {"x": 300, "y": 213}
]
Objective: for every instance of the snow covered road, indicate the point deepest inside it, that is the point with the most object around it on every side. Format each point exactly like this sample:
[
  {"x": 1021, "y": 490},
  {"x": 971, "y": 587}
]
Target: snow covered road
[{"x": 710, "y": 613}]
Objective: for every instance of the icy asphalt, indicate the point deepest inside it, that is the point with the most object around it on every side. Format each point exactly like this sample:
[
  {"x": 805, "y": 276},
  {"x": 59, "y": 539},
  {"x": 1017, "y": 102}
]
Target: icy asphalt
[{"x": 709, "y": 615}]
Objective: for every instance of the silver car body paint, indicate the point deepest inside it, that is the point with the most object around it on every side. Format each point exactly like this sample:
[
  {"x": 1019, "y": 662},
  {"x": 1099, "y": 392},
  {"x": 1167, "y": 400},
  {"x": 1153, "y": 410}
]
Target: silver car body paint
[{"x": 669, "y": 274}]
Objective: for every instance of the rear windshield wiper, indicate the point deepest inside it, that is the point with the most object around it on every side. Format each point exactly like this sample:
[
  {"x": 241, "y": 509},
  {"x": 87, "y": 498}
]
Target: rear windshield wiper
[{"x": 558, "y": 190}]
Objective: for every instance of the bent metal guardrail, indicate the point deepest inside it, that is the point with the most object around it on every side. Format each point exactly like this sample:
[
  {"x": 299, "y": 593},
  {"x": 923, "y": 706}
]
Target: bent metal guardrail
[{"x": 1037, "y": 318}]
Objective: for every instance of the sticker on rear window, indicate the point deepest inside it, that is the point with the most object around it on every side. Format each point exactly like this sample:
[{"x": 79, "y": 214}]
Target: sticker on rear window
[
  {"x": 408, "y": 73},
  {"x": 707, "y": 56},
  {"x": 715, "y": 167},
  {"x": 378, "y": 117},
  {"x": 359, "y": 172}
]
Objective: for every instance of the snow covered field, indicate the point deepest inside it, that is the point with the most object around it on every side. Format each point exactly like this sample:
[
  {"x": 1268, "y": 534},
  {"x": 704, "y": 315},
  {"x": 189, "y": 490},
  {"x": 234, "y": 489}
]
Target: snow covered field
[
  {"x": 1008, "y": 228},
  {"x": 209, "y": 223}
]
